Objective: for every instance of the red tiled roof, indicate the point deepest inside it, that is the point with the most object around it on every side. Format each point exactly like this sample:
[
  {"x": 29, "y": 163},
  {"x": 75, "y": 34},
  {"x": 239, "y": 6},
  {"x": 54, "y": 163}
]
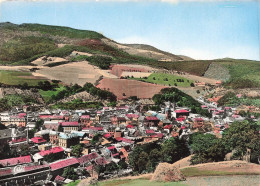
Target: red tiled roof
[
  {"x": 38, "y": 140},
  {"x": 129, "y": 126},
  {"x": 181, "y": 111},
  {"x": 101, "y": 161},
  {"x": 74, "y": 123},
  {"x": 34, "y": 167},
  {"x": 150, "y": 131},
  {"x": 63, "y": 163},
  {"x": 59, "y": 117},
  {"x": 198, "y": 119},
  {"x": 18, "y": 140},
  {"x": 6, "y": 171},
  {"x": 86, "y": 158},
  {"x": 16, "y": 161},
  {"x": 93, "y": 128},
  {"x": 53, "y": 150},
  {"x": 84, "y": 117},
  {"x": 22, "y": 114},
  {"x": 132, "y": 116},
  {"x": 89, "y": 168},
  {"x": 151, "y": 118},
  {"x": 124, "y": 140},
  {"x": 167, "y": 126},
  {"x": 111, "y": 147},
  {"x": 157, "y": 135},
  {"x": 59, "y": 178},
  {"x": 180, "y": 119},
  {"x": 107, "y": 135},
  {"x": 115, "y": 154},
  {"x": 121, "y": 119}
]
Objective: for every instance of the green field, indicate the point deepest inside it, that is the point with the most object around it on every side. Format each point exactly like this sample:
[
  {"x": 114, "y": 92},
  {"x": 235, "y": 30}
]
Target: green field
[
  {"x": 244, "y": 70},
  {"x": 46, "y": 95},
  {"x": 17, "y": 78},
  {"x": 137, "y": 182},
  {"x": 166, "y": 79}
]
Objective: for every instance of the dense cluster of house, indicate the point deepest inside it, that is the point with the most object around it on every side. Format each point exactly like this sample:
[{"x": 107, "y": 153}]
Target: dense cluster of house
[{"x": 118, "y": 129}]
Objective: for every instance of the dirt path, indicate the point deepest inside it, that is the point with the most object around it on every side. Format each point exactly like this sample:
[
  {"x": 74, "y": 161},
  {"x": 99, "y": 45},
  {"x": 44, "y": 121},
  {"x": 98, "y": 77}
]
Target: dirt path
[
  {"x": 1, "y": 93},
  {"x": 19, "y": 68},
  {"x": 143, "y": 176},
  {"x": 235, "y": 166}
]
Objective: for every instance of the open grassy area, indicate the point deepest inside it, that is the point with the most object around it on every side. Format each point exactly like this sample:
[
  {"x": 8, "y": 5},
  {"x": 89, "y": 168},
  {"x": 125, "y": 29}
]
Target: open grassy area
[
  {"x": 73, "y": 183},
  {"x": 17, "y": 78},
  {"x": 138, "y": 182},
  {"x": 167, "y": 80},
  {"x": 193, "y": 172},
  {"x": 48, "y": 94}
]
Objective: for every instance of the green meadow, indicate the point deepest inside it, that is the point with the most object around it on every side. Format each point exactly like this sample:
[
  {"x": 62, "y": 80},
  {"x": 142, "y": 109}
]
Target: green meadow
[
  {"x": 17, "y": 78},
  {"x": 167, "y": 80}
]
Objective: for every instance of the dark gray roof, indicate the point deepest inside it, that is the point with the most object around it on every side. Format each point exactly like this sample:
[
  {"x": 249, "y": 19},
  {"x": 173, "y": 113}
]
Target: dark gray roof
[{"x": 6, "y": 133}]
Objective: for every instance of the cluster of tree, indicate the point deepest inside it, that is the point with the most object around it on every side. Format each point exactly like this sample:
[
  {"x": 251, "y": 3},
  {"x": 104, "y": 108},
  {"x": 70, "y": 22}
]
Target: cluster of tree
[
  {"x": 70, "y": 173},
  {"x": 176, "y": 96},
  {"x": 206, "y": 148},
  {"x": 21, "y": 48},
  {"x": 146, "y": 157},
  {"x": 102, "y": 62},
  {"x": 238, "y": 138},
  {"x": 68, "y": 91},
  {"x": 180, "y": 80},
  {"x": 46, "y": 85},
  {"x": 240, "y": 83},
  {"x": 111, "y": 167},
  {"x": 9, "y": 101},
  {"x": 88, "y": 87},
  {"x": 228, "y": 99},
  {"x": 77, "y": 150},
  {"x": 102, "y": 94},
  {"x": 52, "y": 157}
]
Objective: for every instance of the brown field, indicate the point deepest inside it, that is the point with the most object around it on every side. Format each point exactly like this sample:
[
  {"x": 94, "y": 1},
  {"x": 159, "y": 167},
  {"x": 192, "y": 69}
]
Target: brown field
[
  {"x": 117, "y": 70},
  {"x": 72, "y": 73},
  {"x": 129, "y": 88}
]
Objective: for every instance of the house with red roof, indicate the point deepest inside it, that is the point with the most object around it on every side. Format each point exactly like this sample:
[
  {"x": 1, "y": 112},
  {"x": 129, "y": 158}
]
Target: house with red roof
[
  {"x": 87, "y": 158},
  {"x": 57, "y": 151},
  {"x": 84, "y": 119},
  {"x": 38, "y": 140},
  {"x": 120, "y": 139},
  {"x": 181, "y": 113},
  {"x": 16, "y": 161},
  {"x": 113, "y": 151},
  {"x": 150, "y": 121},
  {"x": 69, "y": 126},
  {"x": 124, "y": 152},
  {"x": 58, "y": 166}
]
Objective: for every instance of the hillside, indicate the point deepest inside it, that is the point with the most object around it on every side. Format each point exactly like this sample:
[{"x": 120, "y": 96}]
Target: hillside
[{"x": 50, "y": 48}]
